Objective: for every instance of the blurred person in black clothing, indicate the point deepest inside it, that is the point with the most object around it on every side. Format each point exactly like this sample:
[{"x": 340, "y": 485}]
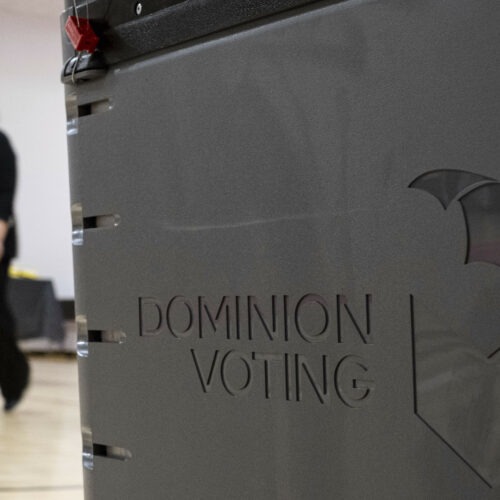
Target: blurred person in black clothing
[{"x": 14, "y": 369}]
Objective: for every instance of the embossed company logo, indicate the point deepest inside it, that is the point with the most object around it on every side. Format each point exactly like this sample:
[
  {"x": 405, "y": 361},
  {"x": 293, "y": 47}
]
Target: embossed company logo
[
  {"x": 457, "y": 384},
  {"x": 310, "y": 322},
  {"x": 479, "y": 197},
  {"x": 320, "y": 349}
]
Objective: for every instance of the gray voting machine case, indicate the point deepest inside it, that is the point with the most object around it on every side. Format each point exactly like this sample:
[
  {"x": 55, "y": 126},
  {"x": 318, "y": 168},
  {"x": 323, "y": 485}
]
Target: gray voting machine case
[{"x": 286, "y": 228}]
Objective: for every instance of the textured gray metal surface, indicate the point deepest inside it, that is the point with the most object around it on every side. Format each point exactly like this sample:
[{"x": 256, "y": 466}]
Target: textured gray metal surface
[{"x": 273, "y": 302}]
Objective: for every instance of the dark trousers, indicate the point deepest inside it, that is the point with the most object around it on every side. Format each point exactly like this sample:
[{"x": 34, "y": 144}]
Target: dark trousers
[{"x": 14, "y": 369}]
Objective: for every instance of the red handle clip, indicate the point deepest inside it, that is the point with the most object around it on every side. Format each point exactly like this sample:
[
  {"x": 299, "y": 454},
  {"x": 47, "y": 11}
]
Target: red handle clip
[{"x": 81, "y": 34}]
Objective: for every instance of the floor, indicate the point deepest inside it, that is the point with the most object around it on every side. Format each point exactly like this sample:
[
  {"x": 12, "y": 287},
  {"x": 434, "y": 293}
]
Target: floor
[{"x": 40, "y": 442}]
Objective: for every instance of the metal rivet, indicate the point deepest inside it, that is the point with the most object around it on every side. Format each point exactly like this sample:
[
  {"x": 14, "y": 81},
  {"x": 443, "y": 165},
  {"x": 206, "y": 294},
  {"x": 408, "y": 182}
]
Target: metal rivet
[{"x": 138, "y": 8}]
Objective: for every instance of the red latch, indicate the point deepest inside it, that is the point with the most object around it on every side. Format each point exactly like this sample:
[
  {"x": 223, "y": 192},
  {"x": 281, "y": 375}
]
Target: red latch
[{"x": 81, "y": 34}]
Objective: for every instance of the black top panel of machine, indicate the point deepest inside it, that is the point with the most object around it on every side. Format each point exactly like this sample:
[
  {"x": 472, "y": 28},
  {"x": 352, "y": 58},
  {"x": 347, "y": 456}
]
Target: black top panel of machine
[{"x": 129, "y": 29}]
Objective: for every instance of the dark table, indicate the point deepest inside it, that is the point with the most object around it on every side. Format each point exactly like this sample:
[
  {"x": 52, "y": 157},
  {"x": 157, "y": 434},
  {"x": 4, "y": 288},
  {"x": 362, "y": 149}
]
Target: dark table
[{"x": 36, "y": 309}]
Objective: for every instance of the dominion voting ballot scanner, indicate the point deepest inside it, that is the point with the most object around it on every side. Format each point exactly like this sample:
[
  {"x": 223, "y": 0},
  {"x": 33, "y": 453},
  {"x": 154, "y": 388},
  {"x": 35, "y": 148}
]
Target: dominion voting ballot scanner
[{"x": 286, "y": 230}]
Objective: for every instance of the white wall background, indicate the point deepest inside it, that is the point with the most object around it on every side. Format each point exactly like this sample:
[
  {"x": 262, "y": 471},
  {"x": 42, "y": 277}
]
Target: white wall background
[{"x": 32, "y": 114}]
